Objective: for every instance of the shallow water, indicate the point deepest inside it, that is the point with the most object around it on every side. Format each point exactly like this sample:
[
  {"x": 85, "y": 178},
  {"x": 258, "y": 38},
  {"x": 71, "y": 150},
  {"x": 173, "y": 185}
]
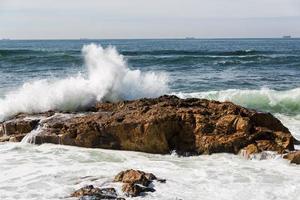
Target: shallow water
[{"x": 53, "y": 172}]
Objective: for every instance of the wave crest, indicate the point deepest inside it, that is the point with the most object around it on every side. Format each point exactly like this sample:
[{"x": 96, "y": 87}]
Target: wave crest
[
  {"x": 265, "y": 99},
  {"x": 108, "y": 79}
]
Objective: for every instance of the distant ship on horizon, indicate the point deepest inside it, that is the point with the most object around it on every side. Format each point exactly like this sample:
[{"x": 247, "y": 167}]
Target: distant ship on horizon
[
  {"x": 84, "y": 39},
  {"x": 286, "y": 36},
  {"x": 190, "y": 38},
  {"x": 5, "y": 39}
]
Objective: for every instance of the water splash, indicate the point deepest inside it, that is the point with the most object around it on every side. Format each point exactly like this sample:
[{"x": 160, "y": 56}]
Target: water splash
[
  {"x": 30, "y": 137},
  {"x": 108, "y": 78}
]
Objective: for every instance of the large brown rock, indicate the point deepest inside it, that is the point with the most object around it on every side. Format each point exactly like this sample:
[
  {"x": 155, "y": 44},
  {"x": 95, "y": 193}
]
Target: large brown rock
[{"x": 168, "y": 123}]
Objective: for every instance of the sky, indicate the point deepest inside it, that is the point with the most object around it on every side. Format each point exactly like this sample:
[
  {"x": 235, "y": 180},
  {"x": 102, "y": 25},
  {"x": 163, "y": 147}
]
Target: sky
[{"x": 110, "y": 19}]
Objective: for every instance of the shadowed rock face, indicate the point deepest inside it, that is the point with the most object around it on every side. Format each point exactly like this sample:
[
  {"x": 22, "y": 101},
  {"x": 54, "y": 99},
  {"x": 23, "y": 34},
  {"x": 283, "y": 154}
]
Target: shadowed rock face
[{"x": 168, "y": 123}]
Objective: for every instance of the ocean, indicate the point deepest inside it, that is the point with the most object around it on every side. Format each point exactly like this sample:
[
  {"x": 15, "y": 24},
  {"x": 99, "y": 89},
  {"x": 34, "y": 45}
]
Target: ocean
[{"x": 69, "y": 75}]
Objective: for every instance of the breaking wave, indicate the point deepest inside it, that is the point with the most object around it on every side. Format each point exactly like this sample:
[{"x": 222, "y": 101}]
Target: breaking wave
[
  {"x": 108, "y": 78},
  {"x": 264, "y": 99}
]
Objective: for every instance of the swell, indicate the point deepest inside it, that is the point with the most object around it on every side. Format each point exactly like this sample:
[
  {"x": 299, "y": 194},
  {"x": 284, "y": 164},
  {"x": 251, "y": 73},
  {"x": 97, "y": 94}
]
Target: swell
[
  {"x": 14, "y": 52},
  {"x": 7, "y": 52},
  {"x": 222, "y": 58},
  {"x": 208, "y": 53},
  {"x": 188, "y": 60},
  {"x": 267, "y": 100},
  {"x": 182, "y": 52}
]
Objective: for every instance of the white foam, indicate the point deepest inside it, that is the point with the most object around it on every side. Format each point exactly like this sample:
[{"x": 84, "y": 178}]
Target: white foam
[
  {"x": 108, "y": 78},
  {"x": 30, "y": 137},
  {"x": 52, "y": 172},
  {"x": 292, "y": 122}
]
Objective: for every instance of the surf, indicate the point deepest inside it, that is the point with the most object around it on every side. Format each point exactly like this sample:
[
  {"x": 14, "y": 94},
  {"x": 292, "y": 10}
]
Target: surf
[{"x": 107, "y": 78}]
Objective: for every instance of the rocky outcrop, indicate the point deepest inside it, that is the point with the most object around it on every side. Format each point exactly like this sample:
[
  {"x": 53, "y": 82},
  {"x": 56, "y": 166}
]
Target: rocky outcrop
[
  {"x": 136, "y": 182},
  {"x": 160, "y": 125},
  {"x": 94, "y": 193}
]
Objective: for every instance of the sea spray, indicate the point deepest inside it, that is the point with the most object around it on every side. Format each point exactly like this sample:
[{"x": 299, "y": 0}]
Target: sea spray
[{"x": 108, "y": 78}]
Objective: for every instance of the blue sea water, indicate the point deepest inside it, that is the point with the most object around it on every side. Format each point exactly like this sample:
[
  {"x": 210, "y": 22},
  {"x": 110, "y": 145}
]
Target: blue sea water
[
  {"x": 36, "y": 76},
  {"x": 259, "y": 73},
  {"x": 192, "y": 65}
]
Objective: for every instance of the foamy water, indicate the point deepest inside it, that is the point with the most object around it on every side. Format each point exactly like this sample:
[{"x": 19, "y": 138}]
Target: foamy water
[
  {"x": 53, "y": 172},
  {"x": 50, "y": 172}
]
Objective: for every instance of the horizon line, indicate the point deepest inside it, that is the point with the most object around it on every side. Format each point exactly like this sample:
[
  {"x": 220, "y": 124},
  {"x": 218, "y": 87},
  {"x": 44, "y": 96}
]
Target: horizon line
[{"x": 158, "y": 38}]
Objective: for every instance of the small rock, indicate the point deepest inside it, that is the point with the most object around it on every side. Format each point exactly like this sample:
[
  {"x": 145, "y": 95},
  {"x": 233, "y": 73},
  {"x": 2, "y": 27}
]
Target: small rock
[
  {"x": 249, "y": 150},
  {"x": 92, "y": 193},
  {"x": 134, "y": 190},
  {"x": 135, "y": 176},
  {"x": 136, "y": 182},
  {"x": 294, "y": 157}
]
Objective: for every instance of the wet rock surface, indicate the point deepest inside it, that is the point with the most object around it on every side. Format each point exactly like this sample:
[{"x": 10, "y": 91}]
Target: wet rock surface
[
  {"x": 160, "y": 125},
  {"x": 294, "y": 157},
  {"x": 18, "y": 126},
  {"x": 93, "y": 193},
  {"x": 136, "y": 182}
]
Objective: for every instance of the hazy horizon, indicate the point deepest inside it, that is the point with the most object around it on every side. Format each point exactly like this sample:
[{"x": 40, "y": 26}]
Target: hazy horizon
[
  {"x": 157, "y": 38},
  {"x": 138, "y": 19}
]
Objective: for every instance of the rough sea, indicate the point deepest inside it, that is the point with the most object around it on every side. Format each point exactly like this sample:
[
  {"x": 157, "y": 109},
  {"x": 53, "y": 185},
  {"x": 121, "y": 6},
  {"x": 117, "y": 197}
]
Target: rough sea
[{"x": 69, "y": 75}]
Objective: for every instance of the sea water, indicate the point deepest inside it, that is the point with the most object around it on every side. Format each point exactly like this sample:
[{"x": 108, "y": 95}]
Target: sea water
[{"x": 37, "y": 76}]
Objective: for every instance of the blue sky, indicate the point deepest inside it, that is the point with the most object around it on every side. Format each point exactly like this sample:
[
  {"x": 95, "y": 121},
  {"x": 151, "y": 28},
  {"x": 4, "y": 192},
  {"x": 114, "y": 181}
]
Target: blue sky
[{"x": 71, "y": 19}]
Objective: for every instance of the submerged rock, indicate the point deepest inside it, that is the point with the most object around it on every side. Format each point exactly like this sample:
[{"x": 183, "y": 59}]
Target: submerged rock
[
  {"x": 167, "y": 123},
  {"x": 136, "y": 182},
  {"x": 93, "y": 193}
]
